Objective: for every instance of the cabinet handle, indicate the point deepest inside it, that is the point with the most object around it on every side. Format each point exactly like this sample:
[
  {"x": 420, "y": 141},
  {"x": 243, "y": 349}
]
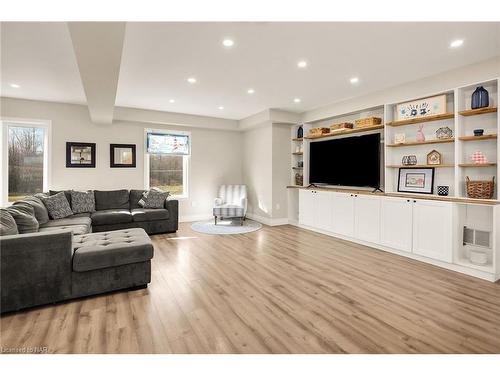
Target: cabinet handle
[
  {"x": 355, "y": 195},
  {"x": 414, "y": 201},
  {"x": 408, "y": 200}
]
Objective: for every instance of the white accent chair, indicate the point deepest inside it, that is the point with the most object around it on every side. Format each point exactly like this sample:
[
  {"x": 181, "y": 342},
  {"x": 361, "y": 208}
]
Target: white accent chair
[{"x": 231, "y": 203}]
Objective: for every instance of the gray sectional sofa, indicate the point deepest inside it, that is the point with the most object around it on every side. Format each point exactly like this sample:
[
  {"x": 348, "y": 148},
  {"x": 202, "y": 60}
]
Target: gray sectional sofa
[{"x": 83, "y": 254}]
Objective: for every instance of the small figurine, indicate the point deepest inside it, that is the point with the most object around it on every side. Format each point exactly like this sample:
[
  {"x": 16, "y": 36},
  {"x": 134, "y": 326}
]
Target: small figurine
[{"x": 420, "y": 134}]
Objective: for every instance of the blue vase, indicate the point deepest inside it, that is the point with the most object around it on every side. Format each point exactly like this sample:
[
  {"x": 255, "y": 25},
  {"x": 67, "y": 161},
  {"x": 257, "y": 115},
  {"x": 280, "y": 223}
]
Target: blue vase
[
  {"x": 480, "y": 98},
  {"x": 300, "y": 132}
]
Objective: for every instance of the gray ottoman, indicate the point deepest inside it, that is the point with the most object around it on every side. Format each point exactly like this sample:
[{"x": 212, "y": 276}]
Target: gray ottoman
[{"x": 107, "y": 261}]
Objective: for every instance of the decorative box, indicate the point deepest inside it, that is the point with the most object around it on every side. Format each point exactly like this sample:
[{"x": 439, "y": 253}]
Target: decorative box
[
  {"x": 368, "y": 121},
  {"x": 341, "y": 126},
  {"x": 318, "y": 131}
]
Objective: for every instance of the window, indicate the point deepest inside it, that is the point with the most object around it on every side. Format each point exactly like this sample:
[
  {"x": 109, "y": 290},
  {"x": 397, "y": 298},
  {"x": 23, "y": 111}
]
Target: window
[
  {"x": 24, "y": 159},
  {"x": 167, "y": 161}
]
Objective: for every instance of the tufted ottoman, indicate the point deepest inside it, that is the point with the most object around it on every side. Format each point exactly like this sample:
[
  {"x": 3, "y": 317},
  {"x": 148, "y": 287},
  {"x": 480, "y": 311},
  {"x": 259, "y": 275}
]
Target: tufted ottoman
[{"x": 107, "y": 261}]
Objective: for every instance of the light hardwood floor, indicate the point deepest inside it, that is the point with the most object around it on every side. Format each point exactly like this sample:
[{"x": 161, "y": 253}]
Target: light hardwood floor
[{"x": 277, "y": 290}]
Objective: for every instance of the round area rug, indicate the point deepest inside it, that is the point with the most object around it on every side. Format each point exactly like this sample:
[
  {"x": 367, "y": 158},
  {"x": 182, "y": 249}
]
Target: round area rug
[{"x": 226, "y": 226}]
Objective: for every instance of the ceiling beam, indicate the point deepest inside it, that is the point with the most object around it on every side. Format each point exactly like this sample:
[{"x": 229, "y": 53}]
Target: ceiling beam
[{"x": 98, "y": 49}]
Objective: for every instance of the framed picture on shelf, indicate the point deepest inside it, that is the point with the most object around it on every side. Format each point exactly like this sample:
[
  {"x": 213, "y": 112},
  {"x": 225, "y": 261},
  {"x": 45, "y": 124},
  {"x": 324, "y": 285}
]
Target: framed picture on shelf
[
  {"x": 416, "y": 180},
  {"x": 122, "y": 156},
  {"x": 435, "y": 105},
  {"x": 80, "y": 155}
]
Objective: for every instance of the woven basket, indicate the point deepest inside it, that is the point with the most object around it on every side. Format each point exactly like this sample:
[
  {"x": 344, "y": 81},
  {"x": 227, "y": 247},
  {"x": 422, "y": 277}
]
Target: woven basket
[
  {"x": 318, "y": 131},
  {"x": 369, "y": 121},
  {"x": 480, "y": 189}
]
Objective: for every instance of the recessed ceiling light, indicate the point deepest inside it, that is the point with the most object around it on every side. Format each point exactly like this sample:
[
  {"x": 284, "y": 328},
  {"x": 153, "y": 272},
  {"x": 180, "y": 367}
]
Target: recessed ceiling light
[
  {"x": 296, "y": 100},
  {"x": 354, "y": 80},
  {"x": 221, "y": 107},
  {"x": 228, "y": 42},
  {"x": 251, "y": 91},
  {"x": 14, "y": 85},
  {"x": 191, "y": 80},
  {"x": 302, "y": 64},
  {"x": 456, "y": 43},
  {"x": 171, "y": 101}
]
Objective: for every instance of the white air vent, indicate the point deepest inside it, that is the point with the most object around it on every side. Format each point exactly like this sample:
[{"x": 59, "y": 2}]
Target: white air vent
[{"x": 477, "y": 237}]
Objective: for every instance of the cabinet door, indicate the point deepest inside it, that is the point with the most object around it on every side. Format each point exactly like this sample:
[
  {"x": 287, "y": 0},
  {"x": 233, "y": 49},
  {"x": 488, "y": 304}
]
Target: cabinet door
[
  {"x": 367, "y": 218},
  {"x": 306, "y": 207},
  {"x": 432, "y": 229},
  {"x": 343, "y": 214},
  {"x": 396, "y": 223},
  {"x": 323, "y": 210}
]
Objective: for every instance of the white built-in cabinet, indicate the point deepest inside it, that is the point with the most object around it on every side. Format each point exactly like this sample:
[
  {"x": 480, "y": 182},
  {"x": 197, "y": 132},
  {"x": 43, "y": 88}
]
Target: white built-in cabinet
[{"x": 418, "y": 226}]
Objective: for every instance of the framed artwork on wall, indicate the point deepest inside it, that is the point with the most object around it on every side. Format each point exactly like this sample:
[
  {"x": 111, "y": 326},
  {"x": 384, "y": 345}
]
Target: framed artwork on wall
[
  {"x": 416, "y": 180},
  {"x": 80, "y": 155},
  {"x": 122, "y": 155},
  {"x": 435, "y": 105}
]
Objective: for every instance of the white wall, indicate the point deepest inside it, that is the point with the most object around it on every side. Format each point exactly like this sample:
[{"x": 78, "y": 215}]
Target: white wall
[
  {"x": 216, "y": 155},
  {"x": 281, "y": 169}
]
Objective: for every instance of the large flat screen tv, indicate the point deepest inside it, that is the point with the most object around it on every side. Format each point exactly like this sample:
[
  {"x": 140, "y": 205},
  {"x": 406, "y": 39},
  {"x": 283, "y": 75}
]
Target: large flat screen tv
[{"x": 353, "y": 161}]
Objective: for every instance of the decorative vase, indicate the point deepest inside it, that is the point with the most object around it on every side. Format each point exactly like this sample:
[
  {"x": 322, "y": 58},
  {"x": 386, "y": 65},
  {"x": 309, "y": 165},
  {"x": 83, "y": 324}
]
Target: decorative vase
[
  {"x": 478, "y": 132},
  {"x": 300, "y": 132},
  {"x": 420, "y": 134},
  {"x": 480, "y": 98}
]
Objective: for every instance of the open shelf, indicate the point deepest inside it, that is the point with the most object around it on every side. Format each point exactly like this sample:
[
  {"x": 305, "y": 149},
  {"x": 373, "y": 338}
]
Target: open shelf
[
  {"x": 419, "y": 120},
  {"x": 297, "y": 139},
  {"x": 429, "y": 142},
  {"x": 346, "y": 131},
  {"x": 477, "y": 165},
  {"x": 478, "y": 111},
  {"x": 422, "y": 166},
  {"x": 478, "y": 137}
]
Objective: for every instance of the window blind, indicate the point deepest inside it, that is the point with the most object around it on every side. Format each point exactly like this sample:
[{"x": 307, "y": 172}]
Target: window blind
[{"x": 165, "y": 143}]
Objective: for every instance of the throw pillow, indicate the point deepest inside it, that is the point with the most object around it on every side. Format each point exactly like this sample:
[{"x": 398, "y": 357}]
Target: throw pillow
[
  {"x": 82, "y": 201},
  {"x": 8, "y": 225},
  {"x": 41, "y": 213},
  {"x": 67, "y": 193},
  {"x": 154, "y": 198},
  {"x": 24, "y": 216},
  {"x": 58, "y": 206}
]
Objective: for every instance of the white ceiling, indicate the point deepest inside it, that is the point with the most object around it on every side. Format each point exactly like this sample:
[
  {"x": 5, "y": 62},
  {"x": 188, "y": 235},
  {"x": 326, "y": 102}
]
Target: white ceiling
[{"x": 159, "y": 57}]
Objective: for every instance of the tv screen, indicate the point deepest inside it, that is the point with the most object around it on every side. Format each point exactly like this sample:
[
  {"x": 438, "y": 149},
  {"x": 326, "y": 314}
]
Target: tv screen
[{"x": 353, "y": 161}]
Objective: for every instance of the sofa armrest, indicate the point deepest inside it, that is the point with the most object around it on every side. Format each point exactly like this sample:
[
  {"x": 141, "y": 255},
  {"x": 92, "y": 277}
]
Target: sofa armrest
[
  {"x": 173, "y": 209},
  {"x": 218, "y": 202},
  {"x": 35, "y": 268}
]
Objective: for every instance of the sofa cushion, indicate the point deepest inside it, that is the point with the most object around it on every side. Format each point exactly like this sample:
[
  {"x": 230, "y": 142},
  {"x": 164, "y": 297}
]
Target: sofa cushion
[
  {"x": 69, "y": 221},
  {"x": 57, "y": 205},
  {"x": 67, "y": 193},
  {"x": 8, "y": 225},
  {"x": 135, "y": 197},
  {"x": 149, "y": 214},
  {"x": 76, "y": 229},
  {"x": 154, "y": 198},
  {"x": 111, "y": 217},
  {"x": 41, "y": 212},
  {"x": 110, "y": 249},
  {"x": 82, "y": 201},
  {"x": 112, "y": 199},
  {"x": 24, "y": 215}
]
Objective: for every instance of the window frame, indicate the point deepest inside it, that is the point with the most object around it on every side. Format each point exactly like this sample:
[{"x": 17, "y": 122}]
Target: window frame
[
  {"x": 186, "y": 161},
  {"x": 5, "y": 123}
]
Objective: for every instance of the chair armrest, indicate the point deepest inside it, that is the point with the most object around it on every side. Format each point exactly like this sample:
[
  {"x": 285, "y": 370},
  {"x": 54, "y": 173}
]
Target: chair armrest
[
  {"x": 35, "y": 268},
  {"x": 218, "y": 201},
  {"x": 244, "y": 203}
]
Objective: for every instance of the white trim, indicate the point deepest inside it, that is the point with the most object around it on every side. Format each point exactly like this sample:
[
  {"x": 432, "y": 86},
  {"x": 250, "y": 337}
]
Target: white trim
[
  {"x": 47, "y": 151},
  {"x": 267, "y": 220}
]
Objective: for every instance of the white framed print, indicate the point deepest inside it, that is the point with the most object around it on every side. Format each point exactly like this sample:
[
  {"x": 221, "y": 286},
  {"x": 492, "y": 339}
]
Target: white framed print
[
  {"x": 434, "y": 105},
  {"x": 416, "y": 180}
]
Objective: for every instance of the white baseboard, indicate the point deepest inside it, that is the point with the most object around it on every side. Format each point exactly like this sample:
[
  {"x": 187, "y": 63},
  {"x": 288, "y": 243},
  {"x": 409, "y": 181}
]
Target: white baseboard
[
  {"x": 267, "y": 220},
  {"x": 189, "y": 218}
]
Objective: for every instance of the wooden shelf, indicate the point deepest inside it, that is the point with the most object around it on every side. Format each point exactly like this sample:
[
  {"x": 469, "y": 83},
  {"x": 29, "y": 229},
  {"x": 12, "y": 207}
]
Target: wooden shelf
[
  {"x": 346, "y": 131},
  {"x": 297, "y": 139},
  {"x": 478, "y": 137},
  {"x": 422, "y": 166},
  {"x": 429, "y": 142},
  {"x": 297, "y": 153},
  {"x": 477, "y": 165},
  {"x": 419, "y": 120},
  {"x": 297, "y": 167},
  {"x": 479, "y": 111}
]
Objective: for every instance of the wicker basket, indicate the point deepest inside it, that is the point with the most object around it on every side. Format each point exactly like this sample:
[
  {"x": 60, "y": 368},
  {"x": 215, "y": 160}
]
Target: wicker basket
[
  {"x": 341, "y": 126},
  {"x": 480, "y": 189},
  {"x": 369, "y": 121},
  {"x": 318, "y": 131}
]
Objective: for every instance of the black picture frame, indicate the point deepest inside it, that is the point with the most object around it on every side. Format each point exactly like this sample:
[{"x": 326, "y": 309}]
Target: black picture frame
[
  {"x": 71, "y": 146},
  {"x": 113, "y": 163},
  {"x": 416, "y": 189}
]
